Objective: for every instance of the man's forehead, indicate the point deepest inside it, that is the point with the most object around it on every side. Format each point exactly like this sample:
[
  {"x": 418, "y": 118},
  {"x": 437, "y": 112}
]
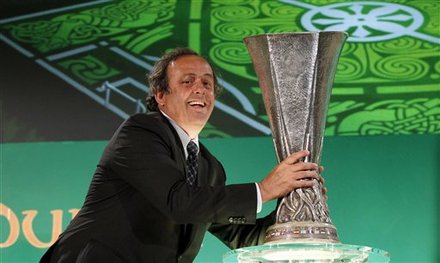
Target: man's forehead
[{"x": 191, "y": 64}]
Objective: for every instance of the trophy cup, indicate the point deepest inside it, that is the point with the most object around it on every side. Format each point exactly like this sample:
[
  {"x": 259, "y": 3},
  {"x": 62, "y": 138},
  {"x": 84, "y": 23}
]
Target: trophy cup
[{"x": 295, "y": 72}]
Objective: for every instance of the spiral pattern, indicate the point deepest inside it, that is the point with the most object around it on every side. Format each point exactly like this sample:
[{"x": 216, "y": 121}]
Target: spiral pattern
[
  {"x": 89, "y": 69},
  {"x": 84, "y": 32},
  {"x": 231, "y": 53},
  {"x": 349, "y": 69},
  {"x": 437, "y": 67},
  {"x": 399, "y": 45},
  {"x": 234, "y": 13},
  {"x": 235, "y": 31},
  {"x": 278, "y": 10},
  {"x": 349, "y": 48},
  {"x": 401, "y": 68}
]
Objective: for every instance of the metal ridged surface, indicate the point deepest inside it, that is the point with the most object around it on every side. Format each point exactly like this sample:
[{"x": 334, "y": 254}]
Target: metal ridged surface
[{"x": 295, "y": 72}]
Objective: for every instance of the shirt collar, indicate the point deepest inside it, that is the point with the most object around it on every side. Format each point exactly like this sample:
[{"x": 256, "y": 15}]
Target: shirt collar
[{"x": 183, "y": 136}]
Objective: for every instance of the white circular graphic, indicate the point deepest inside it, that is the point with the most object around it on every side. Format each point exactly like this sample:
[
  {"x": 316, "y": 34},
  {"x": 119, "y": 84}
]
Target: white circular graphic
[{"x": 364, "y": 21}]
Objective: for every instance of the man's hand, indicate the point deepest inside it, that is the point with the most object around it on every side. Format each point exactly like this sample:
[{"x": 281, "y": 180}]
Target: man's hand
[{"x": 288, "y": 175}]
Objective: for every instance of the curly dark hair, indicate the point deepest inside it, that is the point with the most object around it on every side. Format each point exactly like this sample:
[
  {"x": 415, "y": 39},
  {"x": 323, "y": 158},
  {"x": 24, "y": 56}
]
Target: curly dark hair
[{"x": 158, "y": 79}]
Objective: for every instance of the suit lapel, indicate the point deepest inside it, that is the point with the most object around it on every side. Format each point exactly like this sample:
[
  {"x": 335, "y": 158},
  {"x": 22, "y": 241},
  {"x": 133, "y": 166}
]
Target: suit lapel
[
  {"x": 202, "y": 174},
  {"x": 179, "y": 154}
]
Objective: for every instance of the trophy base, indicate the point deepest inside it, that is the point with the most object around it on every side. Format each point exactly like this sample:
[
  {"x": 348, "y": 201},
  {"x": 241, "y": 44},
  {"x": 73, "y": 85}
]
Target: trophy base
[
  {"x": 301, "y": 232},
  {"x": 299, "y": 253}
]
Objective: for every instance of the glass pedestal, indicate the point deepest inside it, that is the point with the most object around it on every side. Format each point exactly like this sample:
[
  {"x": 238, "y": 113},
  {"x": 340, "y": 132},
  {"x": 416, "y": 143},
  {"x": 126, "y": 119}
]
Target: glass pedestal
[{"x": 305, "y": 252}]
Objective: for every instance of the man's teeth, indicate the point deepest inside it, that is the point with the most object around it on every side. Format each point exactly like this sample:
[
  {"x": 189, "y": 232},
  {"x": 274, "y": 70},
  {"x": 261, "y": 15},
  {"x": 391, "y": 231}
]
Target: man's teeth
[{"x": 197, "y": 103}]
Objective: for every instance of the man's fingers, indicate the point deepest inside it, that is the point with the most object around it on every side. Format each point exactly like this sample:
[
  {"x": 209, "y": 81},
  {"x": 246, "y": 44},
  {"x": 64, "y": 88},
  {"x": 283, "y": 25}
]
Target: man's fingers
[
  {"x": 305, "y": 175},
  {"x": 304, "y": 166},
  {"x": 304, "y": 183},
  {"x": 295, "y": 157}
]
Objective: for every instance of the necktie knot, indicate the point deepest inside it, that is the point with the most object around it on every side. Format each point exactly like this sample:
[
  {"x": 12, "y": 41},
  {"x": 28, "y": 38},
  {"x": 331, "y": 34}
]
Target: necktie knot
[
  {"x": 191, "y": 163},
  {"x": 192, "y": 148}
]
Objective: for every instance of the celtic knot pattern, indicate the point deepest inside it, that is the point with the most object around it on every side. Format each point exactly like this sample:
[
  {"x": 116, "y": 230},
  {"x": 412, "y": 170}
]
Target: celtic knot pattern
[
  {"x": 390, "y": 62},
  {"x": 90, "y": 69},
  {"x": 363, "y": 68},
  {"x": 417, "y": 116},
  {"x": 304, "y": 204},
  {"x": 90, "y": 25}
]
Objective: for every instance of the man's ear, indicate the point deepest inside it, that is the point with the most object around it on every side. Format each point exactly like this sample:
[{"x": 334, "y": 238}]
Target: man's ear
[{"x": 159, "y": 96}]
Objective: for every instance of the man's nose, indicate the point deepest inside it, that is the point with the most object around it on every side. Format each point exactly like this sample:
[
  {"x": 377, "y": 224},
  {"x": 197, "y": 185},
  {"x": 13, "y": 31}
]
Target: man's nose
[{"x": 199, "y": 88}]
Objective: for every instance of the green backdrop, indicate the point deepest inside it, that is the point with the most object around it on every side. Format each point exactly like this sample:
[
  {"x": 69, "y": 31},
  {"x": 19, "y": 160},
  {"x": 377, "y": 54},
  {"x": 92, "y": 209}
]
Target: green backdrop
[
  {"x": 387, "y": 80},
  {"x": 383, "y": 190}
]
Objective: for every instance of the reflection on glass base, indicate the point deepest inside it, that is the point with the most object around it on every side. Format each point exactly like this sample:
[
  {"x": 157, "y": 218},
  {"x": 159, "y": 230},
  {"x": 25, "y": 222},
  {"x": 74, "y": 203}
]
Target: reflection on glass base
[
  {"x": 301, "y": 232},
  {"x": 306, "y": 252}
]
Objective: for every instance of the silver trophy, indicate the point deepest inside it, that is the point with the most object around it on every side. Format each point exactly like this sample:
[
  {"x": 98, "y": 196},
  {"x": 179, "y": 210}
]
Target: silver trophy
[{"x": 295, "y": 72}]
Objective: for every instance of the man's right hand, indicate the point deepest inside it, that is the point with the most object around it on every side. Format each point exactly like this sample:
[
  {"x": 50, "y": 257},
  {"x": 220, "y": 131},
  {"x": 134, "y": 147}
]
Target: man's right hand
[{"x": 289, "y": 175}]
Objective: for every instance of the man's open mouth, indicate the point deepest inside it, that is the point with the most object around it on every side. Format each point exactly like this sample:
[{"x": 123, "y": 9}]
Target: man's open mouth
[{"x": 197, "y": 104}]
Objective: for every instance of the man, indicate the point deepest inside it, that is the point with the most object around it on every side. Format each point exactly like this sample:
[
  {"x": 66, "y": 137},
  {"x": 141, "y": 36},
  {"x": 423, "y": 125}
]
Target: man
[{"x": 152, "y": 199}]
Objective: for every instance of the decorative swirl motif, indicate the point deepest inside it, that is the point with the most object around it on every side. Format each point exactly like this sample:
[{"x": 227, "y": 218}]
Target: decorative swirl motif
[
  {"x": 234, "y": 31},
  {"x": 89, "y": 25},
  {"x": 234, "y": 13},
  {"x": 80, "y": 28},
  {"x": 303, "y": 204},
  {"x": 437, "y": 67},
  {"x": 141, "y": 26},
  {"x": 230, "y": 52},
  {"x": 38, "y": 33},
  {"x": 89, "y": 69},
  {"x": 349, "y": 48},
  {"x": 401, "y": 68},
  {"x": 397, "y": 46},
  {"x": 415, "y": 116},
  {"x": 124, "y": 11},
  {"x": 280, "y": 11},
  {"x": 349, "y": 69},
  {"x": 84, "y": 32}
]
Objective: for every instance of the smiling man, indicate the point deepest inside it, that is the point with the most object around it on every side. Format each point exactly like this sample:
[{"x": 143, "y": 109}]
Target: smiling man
[
  {"x": 157, "y": 189},
  {"x": 190, "y": 98}
]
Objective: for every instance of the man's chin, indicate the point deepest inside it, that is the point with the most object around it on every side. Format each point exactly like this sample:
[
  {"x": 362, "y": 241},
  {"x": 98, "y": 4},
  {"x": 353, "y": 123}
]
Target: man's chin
[{"x": 200, "y": 120}]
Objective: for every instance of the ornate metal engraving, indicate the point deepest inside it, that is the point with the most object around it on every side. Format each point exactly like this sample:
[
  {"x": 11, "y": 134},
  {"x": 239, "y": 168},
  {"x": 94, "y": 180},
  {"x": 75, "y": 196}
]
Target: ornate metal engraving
[{"x": 295, "y": 72}]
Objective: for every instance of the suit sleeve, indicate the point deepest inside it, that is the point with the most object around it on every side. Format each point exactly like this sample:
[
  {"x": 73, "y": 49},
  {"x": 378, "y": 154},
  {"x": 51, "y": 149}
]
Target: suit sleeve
[
  {"x": 142, "y": 154},
  {"x": 237, "y": 236}
]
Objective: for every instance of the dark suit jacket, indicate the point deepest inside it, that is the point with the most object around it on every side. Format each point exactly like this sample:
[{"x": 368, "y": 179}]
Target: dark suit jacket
[{"x": 139, "y": 207}]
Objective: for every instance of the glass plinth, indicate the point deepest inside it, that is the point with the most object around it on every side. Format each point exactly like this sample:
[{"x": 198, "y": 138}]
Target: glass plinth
[{"x": 305, "y": 252}]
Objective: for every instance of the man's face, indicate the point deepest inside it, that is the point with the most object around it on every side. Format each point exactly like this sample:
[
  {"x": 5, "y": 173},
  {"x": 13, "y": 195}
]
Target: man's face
[{"x": 191, "y": 98}]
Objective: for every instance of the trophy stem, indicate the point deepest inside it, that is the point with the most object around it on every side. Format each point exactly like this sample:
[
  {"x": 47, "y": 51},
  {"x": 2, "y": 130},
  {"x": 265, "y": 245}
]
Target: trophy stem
[{"x": 296, "y": 72}]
